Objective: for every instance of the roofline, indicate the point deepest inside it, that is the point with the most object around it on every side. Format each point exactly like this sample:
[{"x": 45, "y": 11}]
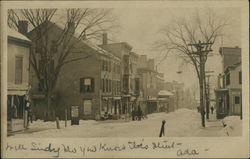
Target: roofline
[
  {"x": 108, "y": 54},
  {"x": 126, "y": 44},
  {"x": 20, "y": 41}
]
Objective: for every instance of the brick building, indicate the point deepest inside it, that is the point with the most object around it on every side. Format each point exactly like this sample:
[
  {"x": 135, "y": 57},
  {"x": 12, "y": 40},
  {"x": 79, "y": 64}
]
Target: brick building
[
  {"x": 130, "y": 81},
  {"x": 92, "y": 84}
]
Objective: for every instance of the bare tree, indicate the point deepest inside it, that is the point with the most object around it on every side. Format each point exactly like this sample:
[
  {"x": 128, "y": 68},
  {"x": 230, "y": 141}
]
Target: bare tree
[
  {"x": 181, "y": 32},
  {"x": 77, "y": 25}
]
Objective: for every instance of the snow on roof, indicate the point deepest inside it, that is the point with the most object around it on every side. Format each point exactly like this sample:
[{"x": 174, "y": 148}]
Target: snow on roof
[
  {"x": 165, "y": 93},
  {"x": 17, "y": 35},
  {"x": 89, "y": 43},
  {"x": 99, "y": 49}
]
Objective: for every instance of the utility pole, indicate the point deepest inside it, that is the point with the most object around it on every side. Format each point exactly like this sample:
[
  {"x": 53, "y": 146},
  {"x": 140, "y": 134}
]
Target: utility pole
[
  {"x": 207, "y": 96},
  {"x": 202, "y": 54}
]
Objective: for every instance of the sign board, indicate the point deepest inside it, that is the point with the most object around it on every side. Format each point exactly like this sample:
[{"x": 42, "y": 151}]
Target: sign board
[
  {"x": 87, "y": 82},
  {"x": 74, "y": 111}
]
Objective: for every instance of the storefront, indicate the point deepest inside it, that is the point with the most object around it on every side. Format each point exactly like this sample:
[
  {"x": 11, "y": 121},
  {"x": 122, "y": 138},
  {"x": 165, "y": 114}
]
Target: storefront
[{"x": 222, "y": 103}]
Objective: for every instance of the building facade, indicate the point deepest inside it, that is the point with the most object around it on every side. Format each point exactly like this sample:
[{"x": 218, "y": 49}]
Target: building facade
[
  {"x": 18, "y": 78},
  {"x": 92, "y": 84},
  {"x": 229, "y": 90},
  {"x": 130, "y": 81}
]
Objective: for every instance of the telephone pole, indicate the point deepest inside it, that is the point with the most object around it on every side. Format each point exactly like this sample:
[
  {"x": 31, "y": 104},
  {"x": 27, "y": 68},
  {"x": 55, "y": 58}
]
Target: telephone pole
[
  {"x": 207, "y": 89},
  {"x": 202, "y": 54}
]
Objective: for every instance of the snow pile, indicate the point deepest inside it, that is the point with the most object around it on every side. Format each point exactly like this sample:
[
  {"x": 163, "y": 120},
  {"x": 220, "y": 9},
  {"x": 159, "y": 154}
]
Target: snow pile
[
  {"x": 181, "y": 123},
  {"x": 233, "y": 125}
]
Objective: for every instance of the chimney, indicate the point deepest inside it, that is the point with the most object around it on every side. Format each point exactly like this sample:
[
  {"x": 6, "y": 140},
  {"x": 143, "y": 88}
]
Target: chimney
[
  {"x": 23, "y": 27},
  {"x": 104, "y": 38}
]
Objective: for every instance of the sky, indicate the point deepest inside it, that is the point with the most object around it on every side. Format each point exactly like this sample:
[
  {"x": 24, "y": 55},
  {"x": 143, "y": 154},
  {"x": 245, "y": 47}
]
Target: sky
[{"x": 140, "y": 28}]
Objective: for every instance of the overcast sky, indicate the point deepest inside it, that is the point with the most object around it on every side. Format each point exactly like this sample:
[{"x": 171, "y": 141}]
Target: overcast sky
[{"x": 139, "y": 27}]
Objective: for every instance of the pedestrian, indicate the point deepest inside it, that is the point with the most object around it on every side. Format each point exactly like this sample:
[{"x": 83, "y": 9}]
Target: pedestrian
[
  {"x": 28, "y": 109},
  {"x": 212, "y": 109},
  {"x": 139, "y": 112},
  {"x": 133, "y": 114},
  {"x": 162, "y": 132}
]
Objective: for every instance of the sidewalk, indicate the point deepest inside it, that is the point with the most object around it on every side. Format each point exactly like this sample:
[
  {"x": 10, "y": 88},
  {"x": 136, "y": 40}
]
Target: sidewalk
[{"x": 213, "y": 127}]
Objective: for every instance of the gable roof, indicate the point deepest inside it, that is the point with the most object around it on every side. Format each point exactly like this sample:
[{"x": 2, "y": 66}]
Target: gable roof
[{"x": 16, "y": 35}]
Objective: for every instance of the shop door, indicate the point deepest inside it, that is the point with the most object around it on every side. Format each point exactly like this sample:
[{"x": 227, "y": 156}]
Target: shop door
[
  {"x": 237, "y": 105},
  {"x": 87, "y": 107}
]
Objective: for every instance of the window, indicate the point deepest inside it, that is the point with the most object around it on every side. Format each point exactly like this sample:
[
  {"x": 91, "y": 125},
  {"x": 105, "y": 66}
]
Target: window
[
  {"x": 52, "y": 66},
  {"x": 107, "y": 85},
  {"x": 228, "y": 79},
  {"x": 41, "y": 66},
  {"x": 87, "y": 85},
  {"x": 19, "y": 70},
  {"x": 41, "y": 85},
  {"x": 240, "y": 77},
  {"x": 109, "y": 66},
  {"x": 113, "y": 86},
  {"x": 110, "y": 86},
  {"x": 103, "y": 85},
  {"x": 236, "y": 100},
  {"x": 114, "y": 67},
  {"x": 126, "y": 82},
  {"x": 137, "y": 84},
  {"x": 53, "y": 46}
]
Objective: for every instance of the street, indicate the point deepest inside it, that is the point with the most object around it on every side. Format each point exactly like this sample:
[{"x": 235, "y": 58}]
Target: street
[{"x": 181, "y": 123}]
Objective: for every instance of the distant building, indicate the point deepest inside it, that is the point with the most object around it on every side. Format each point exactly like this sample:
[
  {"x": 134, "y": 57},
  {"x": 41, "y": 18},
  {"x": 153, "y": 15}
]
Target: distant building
[
  {"x": 166, "y": 100},
  {"x": 151, "y": 84},
  {"x": 18, "y": 78},
  {"x": 229, "y": 91},
  {"x": 178, "y": 90}
]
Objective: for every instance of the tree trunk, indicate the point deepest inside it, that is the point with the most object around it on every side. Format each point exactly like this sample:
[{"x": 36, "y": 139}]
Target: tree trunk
[{"x": 49, "y": 110}]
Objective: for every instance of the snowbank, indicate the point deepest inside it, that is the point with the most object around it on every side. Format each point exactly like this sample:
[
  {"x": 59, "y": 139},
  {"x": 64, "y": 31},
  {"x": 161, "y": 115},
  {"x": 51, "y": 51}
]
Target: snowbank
[
  {"x": 233, "y": 125},
  {"x": 181, "y": 123}
]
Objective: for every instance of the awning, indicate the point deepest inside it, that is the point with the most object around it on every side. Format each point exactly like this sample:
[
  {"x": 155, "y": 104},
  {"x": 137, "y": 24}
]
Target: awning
[
  {"x": 163, "y": 99},
  {"x": 221, "y": 90},
  {"x": 165, "y": 93},
  {"x": 116, "y": 98},
  {"x": 127, "y": 95},
  {"x": 17, "y": 92}
]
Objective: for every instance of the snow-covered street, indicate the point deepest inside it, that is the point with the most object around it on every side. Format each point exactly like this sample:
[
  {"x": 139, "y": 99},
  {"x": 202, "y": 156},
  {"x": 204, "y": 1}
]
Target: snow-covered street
[{"x": 181, "y": 123}]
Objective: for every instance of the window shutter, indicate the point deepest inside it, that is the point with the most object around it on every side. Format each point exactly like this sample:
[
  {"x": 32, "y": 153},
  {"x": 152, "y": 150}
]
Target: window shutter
[
  {"x": 81, "y": 85},
  {"x": 92, "y": 85},
  {"x": 240, "y": 77}
]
